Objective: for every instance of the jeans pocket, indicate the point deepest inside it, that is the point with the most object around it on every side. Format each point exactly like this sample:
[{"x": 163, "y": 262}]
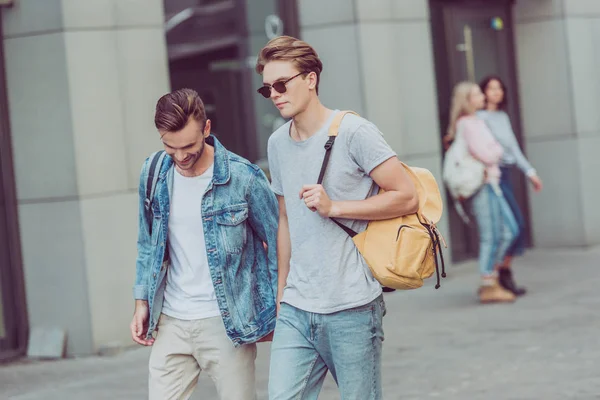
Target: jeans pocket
[
  {"x": 382, "y": 306},
  {"x": 162, "y": 320},
  {"x": 366, "y": 308},
  {"x": 378, "y": 318}
]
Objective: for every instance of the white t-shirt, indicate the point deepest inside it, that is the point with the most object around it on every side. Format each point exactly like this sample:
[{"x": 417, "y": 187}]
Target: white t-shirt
[{"x": 189, "y": 293}]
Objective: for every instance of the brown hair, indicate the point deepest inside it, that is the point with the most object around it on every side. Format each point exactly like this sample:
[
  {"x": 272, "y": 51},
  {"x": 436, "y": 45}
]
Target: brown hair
[
  {"x": 287, "y": 48},
  {"x": 484, "y": 85},
  {"x": 174, "y": 110}
]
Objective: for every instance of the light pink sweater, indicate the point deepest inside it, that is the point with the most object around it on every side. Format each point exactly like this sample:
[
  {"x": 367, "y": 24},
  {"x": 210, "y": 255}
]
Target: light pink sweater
[{"x": 483, "y": 146}]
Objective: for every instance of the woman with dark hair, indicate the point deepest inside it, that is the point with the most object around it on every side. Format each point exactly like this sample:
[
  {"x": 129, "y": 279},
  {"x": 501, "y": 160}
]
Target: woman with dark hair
[{"x": 497, "y": 119}]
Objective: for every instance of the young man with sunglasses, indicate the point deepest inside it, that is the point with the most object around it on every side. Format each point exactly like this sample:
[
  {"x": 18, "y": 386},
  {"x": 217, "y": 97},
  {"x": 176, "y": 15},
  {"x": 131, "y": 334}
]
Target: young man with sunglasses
[
  {"x": 330, "y": 306},
  {"x": 206, "y": 276}
]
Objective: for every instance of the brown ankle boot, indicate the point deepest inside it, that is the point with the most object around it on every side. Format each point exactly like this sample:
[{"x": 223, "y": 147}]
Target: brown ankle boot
[{"x": 495, "y": 294}]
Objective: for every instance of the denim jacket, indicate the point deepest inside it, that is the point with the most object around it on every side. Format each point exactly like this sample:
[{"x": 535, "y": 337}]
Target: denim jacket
[{"x": 239, "y": 213}]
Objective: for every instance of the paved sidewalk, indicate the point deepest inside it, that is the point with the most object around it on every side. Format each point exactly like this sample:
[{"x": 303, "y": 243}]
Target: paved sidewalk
[{"x": 439, "y": 344}]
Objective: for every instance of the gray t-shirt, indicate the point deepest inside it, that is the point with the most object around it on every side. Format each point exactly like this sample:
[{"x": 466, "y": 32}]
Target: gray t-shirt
[{"x": 327, "y": 272}]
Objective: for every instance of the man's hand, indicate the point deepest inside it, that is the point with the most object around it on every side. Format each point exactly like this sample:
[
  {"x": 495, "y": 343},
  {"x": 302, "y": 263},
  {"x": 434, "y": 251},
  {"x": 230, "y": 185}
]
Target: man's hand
[
  {"x": 139, "y": 323},
  {"x": 316, "y": 199}
]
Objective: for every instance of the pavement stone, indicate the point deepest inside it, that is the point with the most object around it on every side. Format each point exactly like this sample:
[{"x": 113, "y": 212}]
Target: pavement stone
[{"x": 439, "y": 344}]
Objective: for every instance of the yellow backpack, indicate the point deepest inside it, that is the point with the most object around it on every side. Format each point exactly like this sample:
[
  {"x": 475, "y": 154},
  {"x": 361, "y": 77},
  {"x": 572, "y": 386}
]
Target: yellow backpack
[{"x": 401, "y": 252}]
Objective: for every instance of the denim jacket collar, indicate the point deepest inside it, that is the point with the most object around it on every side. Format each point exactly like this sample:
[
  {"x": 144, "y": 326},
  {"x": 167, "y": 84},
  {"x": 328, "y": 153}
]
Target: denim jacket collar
[{"x": 221, "y": 170}]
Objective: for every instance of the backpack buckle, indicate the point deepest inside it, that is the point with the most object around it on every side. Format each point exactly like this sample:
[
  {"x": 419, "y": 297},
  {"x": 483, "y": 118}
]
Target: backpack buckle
[{"x": 329, "y": 143}]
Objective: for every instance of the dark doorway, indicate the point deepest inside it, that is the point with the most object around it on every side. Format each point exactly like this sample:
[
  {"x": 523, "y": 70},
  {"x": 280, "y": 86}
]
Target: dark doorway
[
  {"x": 473, "y": 39},
  {"x": 220, "y": 90},
  {"x": 206, "y": 49},
  {"x": 212, "y": 47}
]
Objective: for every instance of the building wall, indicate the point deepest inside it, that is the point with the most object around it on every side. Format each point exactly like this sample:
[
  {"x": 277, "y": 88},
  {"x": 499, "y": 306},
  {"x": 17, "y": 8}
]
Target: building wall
[
  {"x": 558, "y": 45},
  {"x": 378, "y": 61},
  {"x": 83, "y": 78}
]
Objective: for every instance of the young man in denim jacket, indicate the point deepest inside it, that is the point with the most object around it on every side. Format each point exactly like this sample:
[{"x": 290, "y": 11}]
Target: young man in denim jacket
[{"x": 206, "y": 278}]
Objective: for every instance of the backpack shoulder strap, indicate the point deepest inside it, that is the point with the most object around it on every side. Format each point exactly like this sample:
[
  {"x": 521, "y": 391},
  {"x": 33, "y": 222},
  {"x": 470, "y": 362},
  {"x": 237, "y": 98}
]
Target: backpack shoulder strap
[
  {"x": 337, "y": 121},
  {"x": 333, "y": 132},
  {"x": 156, "y": 161}
]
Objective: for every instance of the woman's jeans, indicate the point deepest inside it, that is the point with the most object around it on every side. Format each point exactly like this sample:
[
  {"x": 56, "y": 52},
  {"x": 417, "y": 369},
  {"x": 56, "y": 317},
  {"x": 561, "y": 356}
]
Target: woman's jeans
[
  {"x": 518, "y": 246},
  {"x": 497, "y": 226}
]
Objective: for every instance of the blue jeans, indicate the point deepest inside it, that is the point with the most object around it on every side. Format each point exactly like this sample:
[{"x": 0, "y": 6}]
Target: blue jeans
[
  {"x": 496, "y": 224},
  {"x": 347, "y": 343},
  {"x": 518, "y": 246}
]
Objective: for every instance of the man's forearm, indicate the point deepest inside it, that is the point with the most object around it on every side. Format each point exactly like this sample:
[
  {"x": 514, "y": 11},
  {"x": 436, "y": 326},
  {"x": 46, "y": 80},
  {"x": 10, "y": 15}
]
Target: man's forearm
[
  {"x": 141, "y": 303},
  {"x": 282, "y": 279},
  {"x": 284, "y": 253},
  {"x": 382, "y": 206}
]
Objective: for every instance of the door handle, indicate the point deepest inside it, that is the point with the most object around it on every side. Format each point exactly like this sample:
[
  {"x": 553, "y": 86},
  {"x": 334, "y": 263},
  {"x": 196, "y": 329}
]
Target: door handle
[{"x": 467, "y": 48}]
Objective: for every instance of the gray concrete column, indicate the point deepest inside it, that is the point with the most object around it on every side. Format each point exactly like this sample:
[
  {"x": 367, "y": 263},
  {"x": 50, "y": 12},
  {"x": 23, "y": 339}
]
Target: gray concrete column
[
  {"x": 558, "y": 46},
  {"x": 83, "y": 78}
]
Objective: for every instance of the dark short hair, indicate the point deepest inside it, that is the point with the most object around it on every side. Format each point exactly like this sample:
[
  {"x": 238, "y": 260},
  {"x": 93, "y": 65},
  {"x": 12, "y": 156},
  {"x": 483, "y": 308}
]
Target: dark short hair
[
  {"x": 485, "y": 83},
  {"x": 174, "y": 110}
]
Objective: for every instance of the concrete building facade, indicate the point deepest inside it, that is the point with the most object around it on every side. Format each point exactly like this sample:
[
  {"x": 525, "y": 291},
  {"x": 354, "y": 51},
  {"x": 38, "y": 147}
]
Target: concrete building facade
[{"x": 81, "y": 80}]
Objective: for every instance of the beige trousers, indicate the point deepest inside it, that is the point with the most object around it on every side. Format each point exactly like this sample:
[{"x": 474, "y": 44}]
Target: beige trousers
[{"x": 184, "y": 348}]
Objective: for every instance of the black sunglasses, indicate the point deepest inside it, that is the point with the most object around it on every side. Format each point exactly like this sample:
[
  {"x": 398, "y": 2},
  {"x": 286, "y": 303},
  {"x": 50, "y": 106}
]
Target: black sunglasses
[{"x": 279, "y": 87}]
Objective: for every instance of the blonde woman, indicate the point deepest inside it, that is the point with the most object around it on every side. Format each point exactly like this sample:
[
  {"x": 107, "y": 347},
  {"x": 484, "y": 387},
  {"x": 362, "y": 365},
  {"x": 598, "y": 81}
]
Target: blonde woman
[{"x": 495, "y": 220}]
